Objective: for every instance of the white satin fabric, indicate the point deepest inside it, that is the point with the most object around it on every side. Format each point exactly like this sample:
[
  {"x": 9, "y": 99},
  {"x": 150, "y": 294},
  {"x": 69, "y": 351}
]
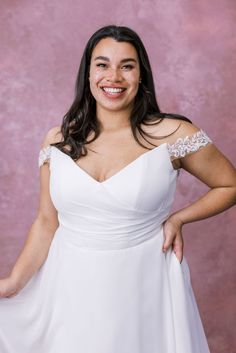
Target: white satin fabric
[{"x": 106, "y": 286}]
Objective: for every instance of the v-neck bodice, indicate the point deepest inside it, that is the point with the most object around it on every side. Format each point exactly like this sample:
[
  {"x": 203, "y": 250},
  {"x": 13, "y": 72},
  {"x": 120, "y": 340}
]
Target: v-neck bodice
[
  {"x": 119, "y": 172},
  {"x": 130, "y": 204}
]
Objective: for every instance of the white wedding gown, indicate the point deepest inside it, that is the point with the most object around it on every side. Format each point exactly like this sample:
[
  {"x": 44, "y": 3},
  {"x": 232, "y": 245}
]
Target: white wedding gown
[{"x": 106, "y": 285}]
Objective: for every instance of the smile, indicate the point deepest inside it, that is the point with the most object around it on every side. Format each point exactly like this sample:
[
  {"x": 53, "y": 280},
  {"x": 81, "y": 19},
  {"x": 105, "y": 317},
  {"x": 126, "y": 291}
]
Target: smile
[{"x": 113, "y": 92}]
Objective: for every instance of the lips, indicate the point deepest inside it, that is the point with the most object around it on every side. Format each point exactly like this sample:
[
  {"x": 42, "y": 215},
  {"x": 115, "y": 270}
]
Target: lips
[
  {"x": 113, "y": 89},
  {"x": 113, "y": 92}
]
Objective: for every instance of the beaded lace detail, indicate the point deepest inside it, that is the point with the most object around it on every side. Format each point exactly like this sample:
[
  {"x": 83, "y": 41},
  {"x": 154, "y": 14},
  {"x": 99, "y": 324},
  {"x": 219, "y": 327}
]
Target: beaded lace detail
[
  {"x": 183, "y": 146},
  {"x": 44, "y": 155}
]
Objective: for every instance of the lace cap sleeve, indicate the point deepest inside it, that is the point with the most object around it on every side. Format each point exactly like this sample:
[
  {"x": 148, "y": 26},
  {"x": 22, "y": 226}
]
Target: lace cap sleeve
[
  {"x": 189, "y": 144},
  {"x": 44, "y": 155}
]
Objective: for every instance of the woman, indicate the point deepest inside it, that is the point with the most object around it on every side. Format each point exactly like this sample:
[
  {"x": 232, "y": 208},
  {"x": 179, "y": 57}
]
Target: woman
[{"x": 103, "y": 269}]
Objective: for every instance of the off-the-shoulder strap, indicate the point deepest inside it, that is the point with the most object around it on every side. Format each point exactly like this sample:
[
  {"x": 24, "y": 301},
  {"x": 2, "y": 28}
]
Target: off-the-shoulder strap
[
  {"x": 44, "y": 155},
  {"x": 189, "y": 144}
]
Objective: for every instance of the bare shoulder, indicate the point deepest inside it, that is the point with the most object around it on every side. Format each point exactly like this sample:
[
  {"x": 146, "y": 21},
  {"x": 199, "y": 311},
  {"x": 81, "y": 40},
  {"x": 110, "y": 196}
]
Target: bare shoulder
[
  {"x": 179, "y": 129},
  {"x": 52, "y": 136},
  {"x": 171, "y": 129}
]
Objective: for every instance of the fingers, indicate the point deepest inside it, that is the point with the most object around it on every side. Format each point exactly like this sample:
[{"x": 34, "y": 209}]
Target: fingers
[
  {"x": 178, "y": 246},
  {"x": 167, "y": 244},
  {"x": 173, "y": 240},
  {"x": 179, "y": 254},
  {"x": 176, "y": 243}
]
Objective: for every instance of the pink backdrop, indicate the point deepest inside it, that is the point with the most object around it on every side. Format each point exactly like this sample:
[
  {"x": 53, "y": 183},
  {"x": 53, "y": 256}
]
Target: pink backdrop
[{"x": 191, "y": 45}]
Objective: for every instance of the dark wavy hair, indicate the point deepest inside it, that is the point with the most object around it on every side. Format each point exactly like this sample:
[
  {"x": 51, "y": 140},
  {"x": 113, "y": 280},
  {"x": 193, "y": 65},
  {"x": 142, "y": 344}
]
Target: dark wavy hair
[{"x": 80, "y": 120}]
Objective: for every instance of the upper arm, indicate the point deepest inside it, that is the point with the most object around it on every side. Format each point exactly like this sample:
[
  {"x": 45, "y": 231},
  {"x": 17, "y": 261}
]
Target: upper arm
[
  {"x": 47, "y": 211},
  {"x": 210, "y": 166},
  {"x": 207, "y": 163}
]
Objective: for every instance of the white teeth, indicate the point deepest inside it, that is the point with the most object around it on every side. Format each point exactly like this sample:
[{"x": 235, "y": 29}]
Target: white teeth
[{"x": 113, "y": 90}]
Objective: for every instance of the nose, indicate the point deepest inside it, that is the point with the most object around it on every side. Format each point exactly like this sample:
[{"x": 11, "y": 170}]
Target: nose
[{"x": 114, "y": 75}]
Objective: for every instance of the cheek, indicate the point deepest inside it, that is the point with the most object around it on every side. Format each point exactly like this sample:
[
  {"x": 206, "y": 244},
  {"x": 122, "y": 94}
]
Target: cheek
[
  {"x": 93, "y": 88},
  {"x": 95, "y": 76},
  {"x": 133, "y": 79},
  {"x": 134, "y": 83}
]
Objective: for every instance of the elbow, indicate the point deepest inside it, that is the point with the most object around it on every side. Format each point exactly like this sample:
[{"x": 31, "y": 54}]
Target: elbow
[{"x": 50, "y": 223}]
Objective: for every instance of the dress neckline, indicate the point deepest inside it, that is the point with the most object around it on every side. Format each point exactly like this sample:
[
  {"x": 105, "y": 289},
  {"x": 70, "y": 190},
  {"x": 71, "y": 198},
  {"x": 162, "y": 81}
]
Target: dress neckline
[{"x": 119, "y": 172}]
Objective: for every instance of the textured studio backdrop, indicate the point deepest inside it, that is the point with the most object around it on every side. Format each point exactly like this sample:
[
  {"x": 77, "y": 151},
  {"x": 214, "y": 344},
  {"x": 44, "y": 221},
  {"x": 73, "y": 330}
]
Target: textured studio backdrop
[{"x": 191, "y": 46}]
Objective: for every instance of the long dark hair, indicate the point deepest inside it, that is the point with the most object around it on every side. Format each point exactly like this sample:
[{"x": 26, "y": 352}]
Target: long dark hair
[{"x": 80, "y": 120}]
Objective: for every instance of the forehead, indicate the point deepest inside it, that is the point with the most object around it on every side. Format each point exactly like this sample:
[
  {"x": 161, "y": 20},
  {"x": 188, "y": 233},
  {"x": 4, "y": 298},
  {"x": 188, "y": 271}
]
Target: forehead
[{"x": 114, "y": 50}]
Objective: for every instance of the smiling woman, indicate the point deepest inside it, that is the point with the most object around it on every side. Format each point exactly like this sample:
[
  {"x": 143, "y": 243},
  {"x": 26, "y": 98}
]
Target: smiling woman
[{"x": 103, "y": 269}]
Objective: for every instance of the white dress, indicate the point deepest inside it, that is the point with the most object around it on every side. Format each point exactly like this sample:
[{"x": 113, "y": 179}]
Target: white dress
[{"x": 106, "y": 285}]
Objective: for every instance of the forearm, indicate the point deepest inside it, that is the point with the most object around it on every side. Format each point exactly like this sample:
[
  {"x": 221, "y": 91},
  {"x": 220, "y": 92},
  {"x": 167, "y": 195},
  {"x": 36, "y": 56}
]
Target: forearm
[
  {"x": 34, "y": 252},
  {"x": 213, "y": 202}
]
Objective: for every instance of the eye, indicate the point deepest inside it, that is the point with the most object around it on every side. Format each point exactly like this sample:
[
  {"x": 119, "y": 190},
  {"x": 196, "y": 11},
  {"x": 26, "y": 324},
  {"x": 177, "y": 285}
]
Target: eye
[
  {"x": 129, "y": 66},
  {"x": 101, "y": 64}
]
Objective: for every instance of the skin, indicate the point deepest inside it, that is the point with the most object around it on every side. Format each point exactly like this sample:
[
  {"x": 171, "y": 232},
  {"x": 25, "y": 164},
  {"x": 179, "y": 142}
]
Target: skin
[
  {"x": 208, "y": 164},
  {"x": 114, "y": 114}
]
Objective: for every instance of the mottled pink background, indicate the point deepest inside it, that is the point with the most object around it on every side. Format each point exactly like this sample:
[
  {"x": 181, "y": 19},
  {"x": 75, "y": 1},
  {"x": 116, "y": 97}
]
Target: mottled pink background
[{"x": 192, "y": 49}]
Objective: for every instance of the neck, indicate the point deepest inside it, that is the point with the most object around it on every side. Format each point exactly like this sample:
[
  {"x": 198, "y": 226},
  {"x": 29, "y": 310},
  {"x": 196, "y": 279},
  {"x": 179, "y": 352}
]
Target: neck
[{"x": 112, "y": 121}]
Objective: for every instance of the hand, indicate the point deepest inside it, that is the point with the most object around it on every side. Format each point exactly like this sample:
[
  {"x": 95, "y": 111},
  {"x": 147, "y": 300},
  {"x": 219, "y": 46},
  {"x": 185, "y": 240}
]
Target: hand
[
  {"x": 8, "y": 287},
  {"x": 173, "y": 236}
]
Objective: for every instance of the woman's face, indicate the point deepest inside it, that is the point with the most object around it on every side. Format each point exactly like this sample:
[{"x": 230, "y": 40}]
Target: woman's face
[{"x": 114, "y": 74}]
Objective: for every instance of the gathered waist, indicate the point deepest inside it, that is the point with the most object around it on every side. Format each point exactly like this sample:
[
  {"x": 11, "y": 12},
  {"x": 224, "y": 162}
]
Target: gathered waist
[{"x": 100, "y": 241}]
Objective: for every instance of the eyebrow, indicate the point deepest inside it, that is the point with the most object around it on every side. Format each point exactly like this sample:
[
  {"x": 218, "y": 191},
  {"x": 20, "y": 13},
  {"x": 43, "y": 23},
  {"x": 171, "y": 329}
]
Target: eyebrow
[{"x": 107, "y": 59}]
